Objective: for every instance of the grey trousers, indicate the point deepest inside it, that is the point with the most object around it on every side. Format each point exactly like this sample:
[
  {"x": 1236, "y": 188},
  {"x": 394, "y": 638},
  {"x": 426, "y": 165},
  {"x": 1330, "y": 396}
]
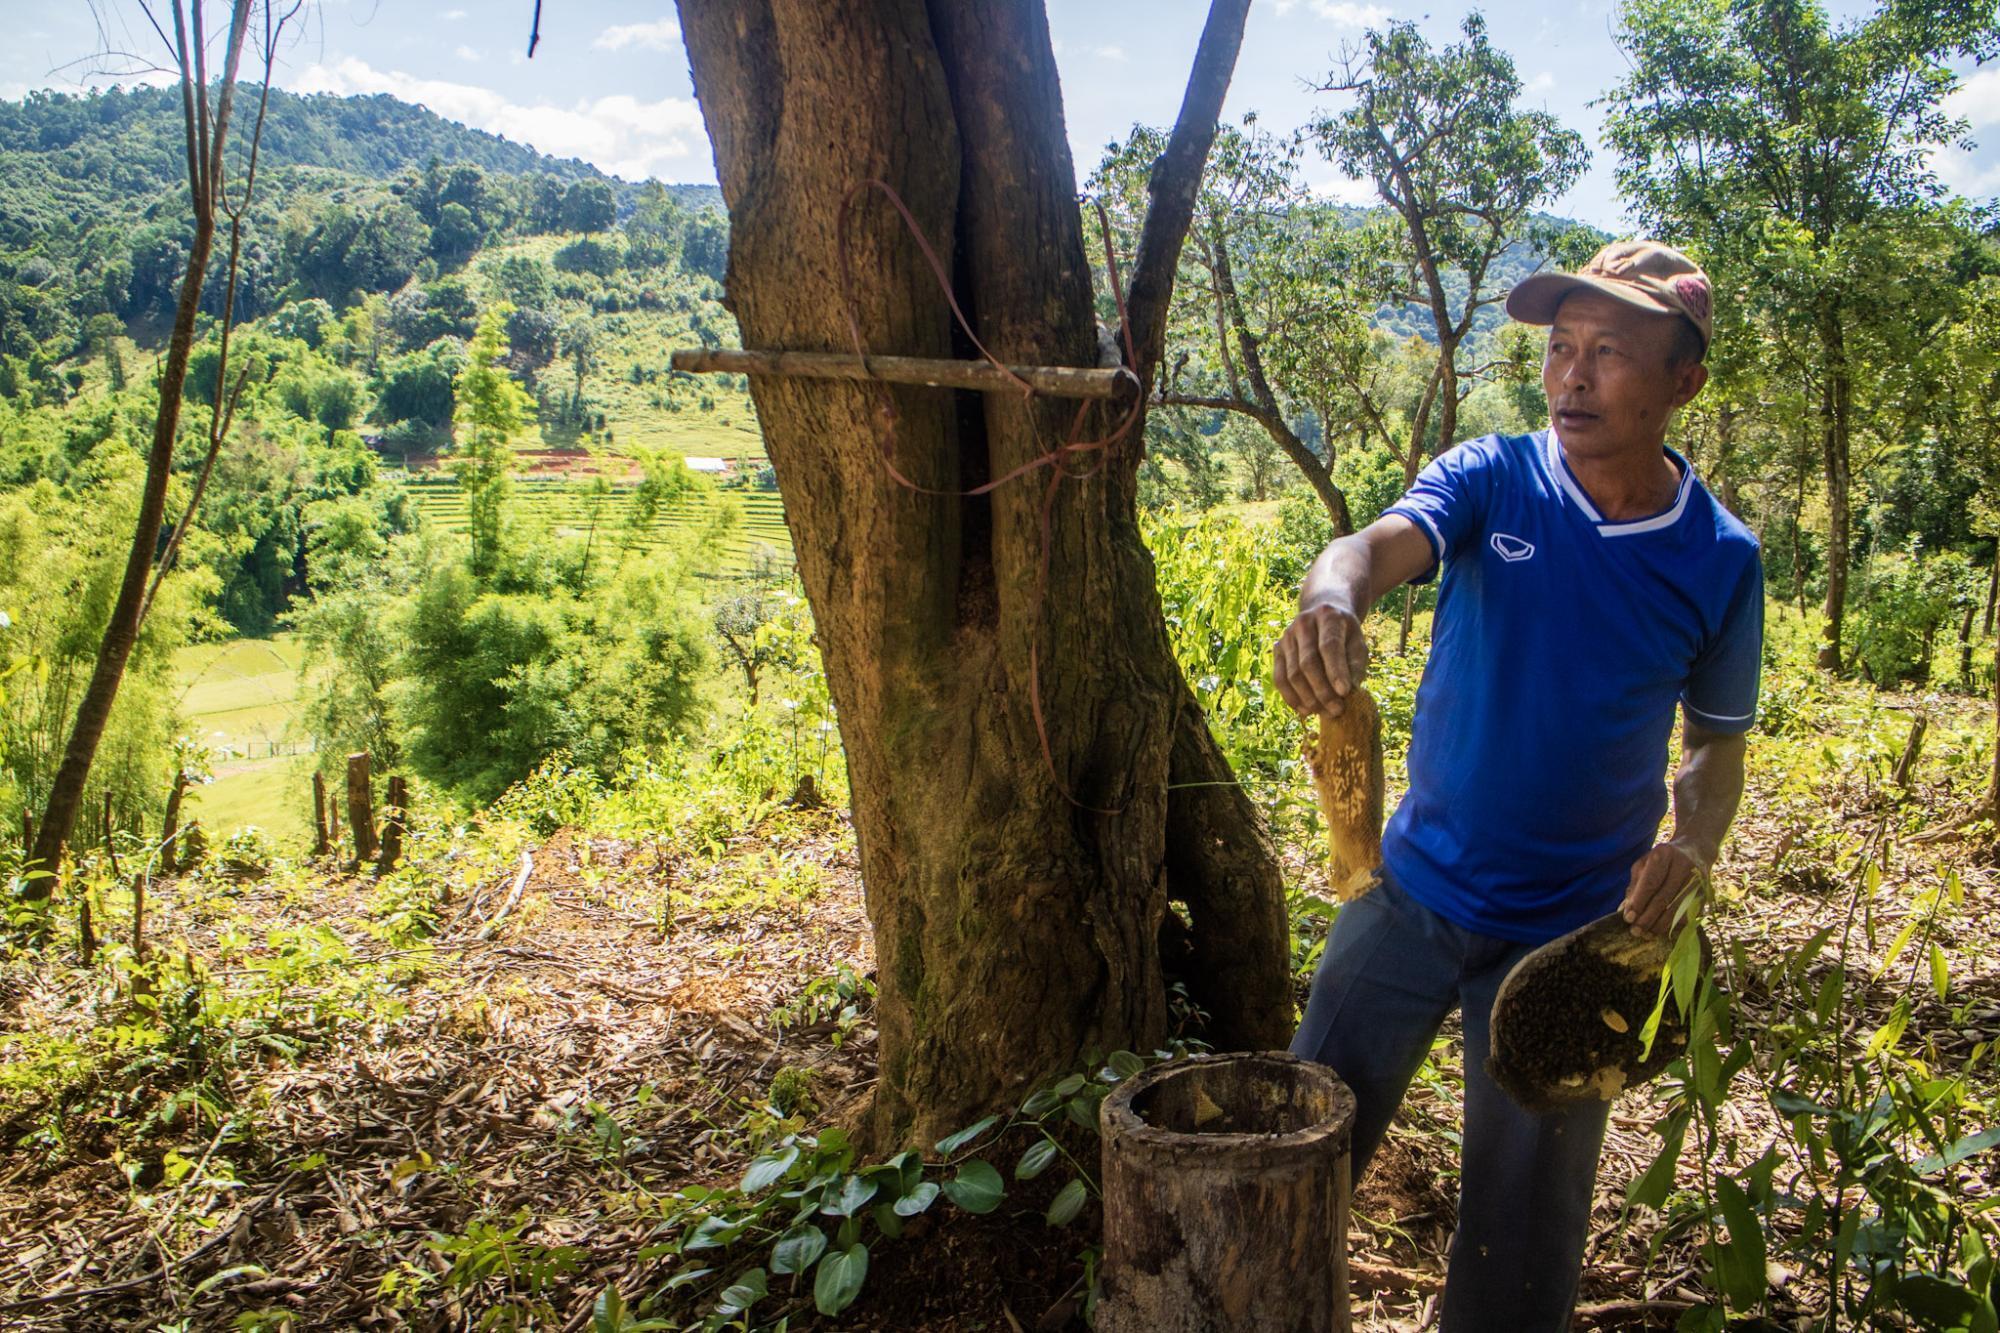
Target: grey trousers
[{"x": 1393, "y": 969}]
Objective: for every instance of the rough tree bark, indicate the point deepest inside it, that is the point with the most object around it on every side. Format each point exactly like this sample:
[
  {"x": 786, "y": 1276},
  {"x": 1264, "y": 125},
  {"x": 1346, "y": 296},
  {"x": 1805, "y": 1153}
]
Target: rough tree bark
[{"x": 1016, "y": 931}]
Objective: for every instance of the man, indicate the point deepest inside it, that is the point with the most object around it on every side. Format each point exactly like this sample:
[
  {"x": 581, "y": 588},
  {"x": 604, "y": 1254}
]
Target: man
[{"x": 1590, "y": 586}]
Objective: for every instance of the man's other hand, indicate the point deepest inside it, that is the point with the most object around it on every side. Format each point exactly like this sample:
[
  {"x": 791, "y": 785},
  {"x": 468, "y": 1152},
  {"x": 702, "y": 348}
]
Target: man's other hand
[
  {"x": 1320, "y": 657},
  {"x": 1660, "y": 879}
]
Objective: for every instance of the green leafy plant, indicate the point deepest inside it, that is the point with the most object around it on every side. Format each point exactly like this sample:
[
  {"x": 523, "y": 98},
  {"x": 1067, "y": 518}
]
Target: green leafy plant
[
  {"x": 813, "y": 1211},
  {"x": 1861, "y": 1196}
]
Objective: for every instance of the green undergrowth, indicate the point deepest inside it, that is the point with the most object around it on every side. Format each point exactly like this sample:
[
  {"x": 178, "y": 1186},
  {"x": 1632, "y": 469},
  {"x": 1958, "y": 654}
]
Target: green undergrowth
[{"x": 815, "y": 1213}]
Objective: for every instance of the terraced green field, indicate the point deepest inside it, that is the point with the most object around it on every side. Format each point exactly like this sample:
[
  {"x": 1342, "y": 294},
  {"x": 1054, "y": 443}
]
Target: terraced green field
[
  {"x": 569, "y": 510},
  {"x": 240, "y": 699}
]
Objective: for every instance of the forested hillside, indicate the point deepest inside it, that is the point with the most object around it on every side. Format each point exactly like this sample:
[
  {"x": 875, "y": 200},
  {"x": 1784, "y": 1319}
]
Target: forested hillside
[{"x": 378, "y": 241}]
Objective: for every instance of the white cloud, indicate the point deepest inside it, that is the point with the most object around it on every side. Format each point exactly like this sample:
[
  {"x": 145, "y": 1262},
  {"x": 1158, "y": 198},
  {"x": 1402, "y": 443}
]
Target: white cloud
[
  {"x": 1542, "y": 82},
  {"x": 617, "y": 133},
  {"x": 1974, "y": 174},
  {"x": 1345, "y": 190},
  {"x": 1111, "y": 52},
  {"x": 659, "y": 35},
  {"x": 453, "y": 15},
  {"x": 1347, "y": 14},
  {"x": 469, "y": 55},
  {"x": 1978, "y": 98},
  {"x": 1965, "y": 175}
]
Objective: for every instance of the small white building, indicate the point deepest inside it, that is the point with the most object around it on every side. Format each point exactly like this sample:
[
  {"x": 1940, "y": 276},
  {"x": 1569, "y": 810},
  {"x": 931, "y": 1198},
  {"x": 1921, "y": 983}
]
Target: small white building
[{"x": 713, "y": 466}]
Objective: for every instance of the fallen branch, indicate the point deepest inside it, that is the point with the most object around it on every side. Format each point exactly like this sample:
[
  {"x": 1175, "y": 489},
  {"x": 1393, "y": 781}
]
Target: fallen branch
[
  {"x": 1609, "y": 1309},
  {"x": 1385, "y": 1277},
  {"x": 485, "y": 932}
]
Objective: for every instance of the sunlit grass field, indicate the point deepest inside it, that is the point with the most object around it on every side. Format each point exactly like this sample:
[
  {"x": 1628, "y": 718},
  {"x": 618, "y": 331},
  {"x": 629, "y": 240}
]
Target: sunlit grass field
[{"x": 240, "y": 700}]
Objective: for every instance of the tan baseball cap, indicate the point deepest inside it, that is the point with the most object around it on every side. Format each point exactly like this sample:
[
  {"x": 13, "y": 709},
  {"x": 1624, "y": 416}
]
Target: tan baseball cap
[{"x": 1645, "y": 274}]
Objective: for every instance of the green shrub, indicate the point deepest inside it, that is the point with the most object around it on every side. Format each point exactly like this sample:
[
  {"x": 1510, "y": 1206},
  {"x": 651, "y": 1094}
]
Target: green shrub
[{"x": 1907, "y": 599}]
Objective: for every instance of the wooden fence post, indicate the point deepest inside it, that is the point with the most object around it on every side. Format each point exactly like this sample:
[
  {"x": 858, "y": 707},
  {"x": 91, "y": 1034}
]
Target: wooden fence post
[
  {"x": 320, "y": 843},
  {"x": 393, "y": 822},
  {"x": 111, "y": 838},
  {"x": 1913, "y": 748},
  {"x": 361, "y": 807},
  {"x": 171, "y": 825}
]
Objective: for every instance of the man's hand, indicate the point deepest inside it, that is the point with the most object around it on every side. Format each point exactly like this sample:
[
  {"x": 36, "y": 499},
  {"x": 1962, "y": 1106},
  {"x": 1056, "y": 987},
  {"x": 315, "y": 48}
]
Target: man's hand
[
  {"x": 1660, "y": 879},
  {"x": 1322, "y": 654},
  {"x": 1320, "y": 657}
]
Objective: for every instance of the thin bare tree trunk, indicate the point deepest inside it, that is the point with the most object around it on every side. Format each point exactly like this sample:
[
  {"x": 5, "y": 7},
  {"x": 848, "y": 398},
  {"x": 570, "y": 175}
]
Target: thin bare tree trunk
[
  {"x": 204, "y": 140},
  {"x": 1835, "y": 414}
]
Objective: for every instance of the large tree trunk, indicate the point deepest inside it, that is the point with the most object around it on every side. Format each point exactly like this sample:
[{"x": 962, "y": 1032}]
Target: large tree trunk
[
  {"x": 1835, "y": 418},
  {"x": 1016, "y": 931}
]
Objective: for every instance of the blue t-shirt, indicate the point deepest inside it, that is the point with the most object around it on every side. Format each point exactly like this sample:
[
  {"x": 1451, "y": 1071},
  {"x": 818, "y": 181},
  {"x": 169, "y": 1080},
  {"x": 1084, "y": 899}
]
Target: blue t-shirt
[{"x": 1560, "y": 647}]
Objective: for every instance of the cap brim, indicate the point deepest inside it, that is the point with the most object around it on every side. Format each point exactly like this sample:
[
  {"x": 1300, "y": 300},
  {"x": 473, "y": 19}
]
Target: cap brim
[{"x": 1534, "y": 299}]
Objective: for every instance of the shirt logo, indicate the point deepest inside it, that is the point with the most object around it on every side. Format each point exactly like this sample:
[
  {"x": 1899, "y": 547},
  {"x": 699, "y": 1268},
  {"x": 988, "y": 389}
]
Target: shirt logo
[{"x": 1511, "y": 548}]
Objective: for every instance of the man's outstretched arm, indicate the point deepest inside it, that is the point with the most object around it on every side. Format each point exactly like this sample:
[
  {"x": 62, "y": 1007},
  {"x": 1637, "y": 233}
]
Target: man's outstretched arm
[
  {"x": 1707, "y": 789},
  {"x": 1322, "y": 654}
]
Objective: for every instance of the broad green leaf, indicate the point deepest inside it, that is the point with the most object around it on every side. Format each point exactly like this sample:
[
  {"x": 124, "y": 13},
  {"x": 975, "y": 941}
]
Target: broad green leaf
[
  {"x": 951, "y": 1143},
  {"x": 1940, "y": 971},
  {"x": 1891, "y": 1031},
  {"x": 1125, "y": 1064},
  {"x": 1739, "y": 1265},
  {"x": 1897, "y": 945},
  {"x": 798, "y": 1249},
  {"x": 977, "y": 1188},
  {"x": 1036, "y": 1160},
  {"x": 687, "y": 1275},
  {"x": 1969, "y": 1146},
  {"x": 1943, "y": 1305},
  {"x": 887, "y": 1219},
  {"x": 918, "y": 1199},
  {"x": 768, "y": 1170},
  {"x": 744, "y": 1292},
  {"x": 1067, "y": 1204},
  {"x": 1650, "y": 1190},
  {"x": 1684, "y": 966},
  {"x": 839, "y": 1279},
  {"x": 608, "y": 1314},
  {"x": 854, "y": 1192},
  {"x": 713, "y": 1232}
]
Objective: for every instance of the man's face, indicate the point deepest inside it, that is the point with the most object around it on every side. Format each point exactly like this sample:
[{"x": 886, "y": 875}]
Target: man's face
[{"x": 1608, "y": 377}]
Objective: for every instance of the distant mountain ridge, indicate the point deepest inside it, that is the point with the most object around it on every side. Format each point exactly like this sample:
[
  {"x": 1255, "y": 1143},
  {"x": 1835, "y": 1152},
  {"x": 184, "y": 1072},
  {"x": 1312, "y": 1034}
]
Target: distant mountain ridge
[{"x": 127, "y": 141}]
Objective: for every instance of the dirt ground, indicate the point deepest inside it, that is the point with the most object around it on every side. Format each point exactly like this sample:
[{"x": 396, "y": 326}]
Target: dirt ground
[{"x": 597, "y": 1050}]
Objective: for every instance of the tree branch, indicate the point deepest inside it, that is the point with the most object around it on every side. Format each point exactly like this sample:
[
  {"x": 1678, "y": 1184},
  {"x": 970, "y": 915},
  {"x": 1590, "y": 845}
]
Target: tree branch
[{"x": 1175, "y": 182}]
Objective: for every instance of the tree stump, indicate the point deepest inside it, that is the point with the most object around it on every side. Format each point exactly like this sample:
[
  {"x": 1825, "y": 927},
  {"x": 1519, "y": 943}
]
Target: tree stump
[
  {"x": 361, "y": 807},
  {"x": 1226, "y": 1198}
]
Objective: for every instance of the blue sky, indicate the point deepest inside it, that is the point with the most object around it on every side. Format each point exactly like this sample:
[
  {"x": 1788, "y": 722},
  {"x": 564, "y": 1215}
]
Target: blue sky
[{"x": 609, "y": 82}]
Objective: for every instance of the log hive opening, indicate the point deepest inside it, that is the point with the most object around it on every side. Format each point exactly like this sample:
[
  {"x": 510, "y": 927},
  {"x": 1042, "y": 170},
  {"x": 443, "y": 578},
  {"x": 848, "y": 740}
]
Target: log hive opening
[{"x": 1226, "y": 1196}]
